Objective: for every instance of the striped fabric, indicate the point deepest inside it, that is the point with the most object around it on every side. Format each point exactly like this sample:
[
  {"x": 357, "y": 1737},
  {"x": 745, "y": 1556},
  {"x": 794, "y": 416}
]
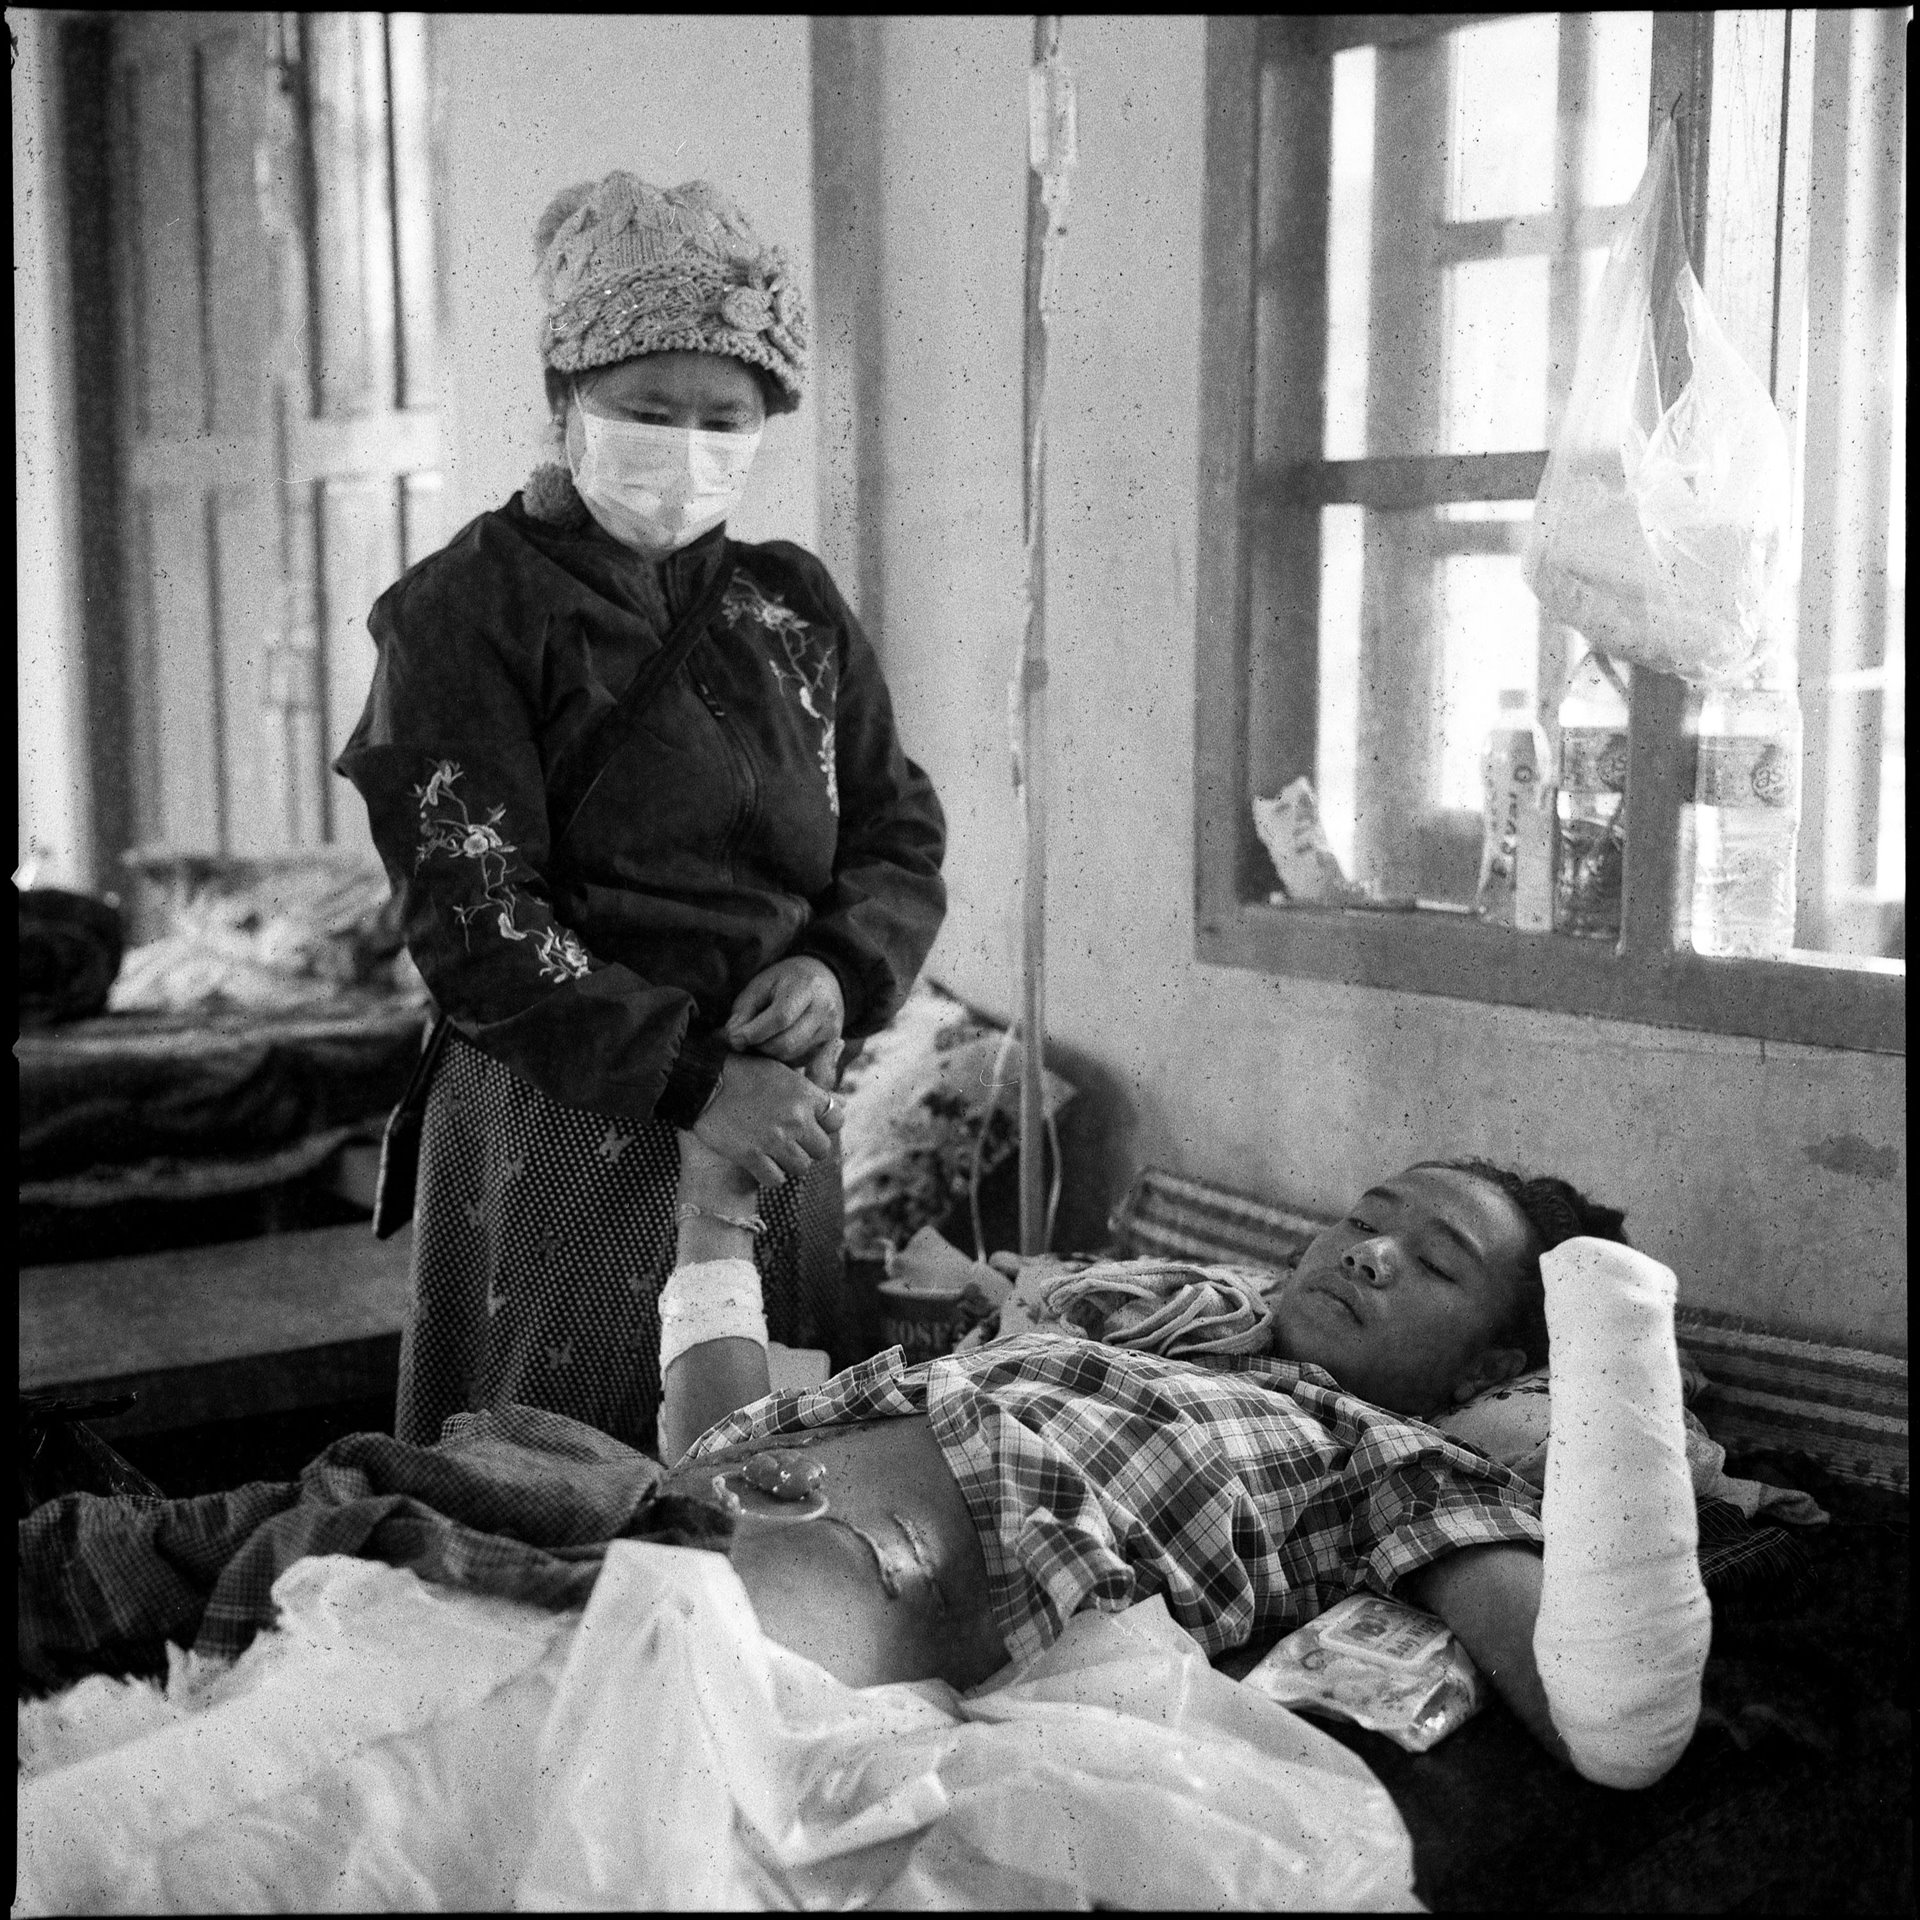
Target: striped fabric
[
  {"x": 1845, "y": 1407},
  {"x": 1174, "y": 1218},
  {"x": 1841, "y": 1406}
]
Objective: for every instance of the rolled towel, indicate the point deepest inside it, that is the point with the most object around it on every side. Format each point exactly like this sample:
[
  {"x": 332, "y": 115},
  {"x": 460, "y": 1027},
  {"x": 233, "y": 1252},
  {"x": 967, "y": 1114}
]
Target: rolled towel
[{"x": 1154, "y": 1306}]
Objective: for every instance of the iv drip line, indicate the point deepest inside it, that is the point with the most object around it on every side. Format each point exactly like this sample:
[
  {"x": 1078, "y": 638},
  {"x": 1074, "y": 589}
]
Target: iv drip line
[{"x": 1051, "y": 156}]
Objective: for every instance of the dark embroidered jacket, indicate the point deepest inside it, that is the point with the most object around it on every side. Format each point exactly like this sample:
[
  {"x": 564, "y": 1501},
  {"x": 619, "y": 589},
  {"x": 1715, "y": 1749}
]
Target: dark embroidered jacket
[{"x": 762, "y": 808}]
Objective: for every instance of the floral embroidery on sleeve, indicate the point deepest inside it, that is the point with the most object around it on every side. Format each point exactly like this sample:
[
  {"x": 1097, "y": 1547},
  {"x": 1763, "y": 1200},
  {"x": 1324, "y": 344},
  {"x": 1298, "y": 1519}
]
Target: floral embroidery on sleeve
[
  {"x": 802, "y": 662},
  {"x": 447, "y": 827}
]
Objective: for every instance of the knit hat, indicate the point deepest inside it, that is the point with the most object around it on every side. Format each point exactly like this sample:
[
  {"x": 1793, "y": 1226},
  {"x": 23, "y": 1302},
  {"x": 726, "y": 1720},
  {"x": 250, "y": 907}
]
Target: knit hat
[{"x": 626, "y": 268}]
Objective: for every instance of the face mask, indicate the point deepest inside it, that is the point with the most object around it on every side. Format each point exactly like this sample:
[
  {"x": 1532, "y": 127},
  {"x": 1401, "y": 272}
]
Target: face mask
[{"x": 656, "y": 489}]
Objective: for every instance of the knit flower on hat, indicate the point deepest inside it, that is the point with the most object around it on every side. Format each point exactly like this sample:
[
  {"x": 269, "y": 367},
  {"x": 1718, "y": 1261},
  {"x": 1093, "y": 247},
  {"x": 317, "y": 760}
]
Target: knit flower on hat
[
  {"x": 626, "y": 268},
  {"x": 746, "y": 308}
]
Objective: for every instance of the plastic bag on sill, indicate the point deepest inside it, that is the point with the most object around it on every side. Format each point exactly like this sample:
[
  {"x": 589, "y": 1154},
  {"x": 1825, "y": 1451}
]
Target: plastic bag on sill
[
  {"x": 1297, "y": 844},
  {"x": 1657, "y": 532}
]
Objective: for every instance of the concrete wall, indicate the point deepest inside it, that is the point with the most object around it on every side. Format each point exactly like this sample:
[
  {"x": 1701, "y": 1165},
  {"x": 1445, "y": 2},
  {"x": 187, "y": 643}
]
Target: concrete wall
[
  {"x": 1772, "y": 1178},
  {"x": 952, "y": 101},
  {"x": 533, "y": 103},
  {"x": 54, "y": 824}
]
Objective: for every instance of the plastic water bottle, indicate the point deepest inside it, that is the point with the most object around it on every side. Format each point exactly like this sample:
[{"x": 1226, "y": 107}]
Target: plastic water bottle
[
  {"x": 1516, "y": 840},
  {"x": 1746, "y": 817},
  {"x": 1590, "y": 836}
]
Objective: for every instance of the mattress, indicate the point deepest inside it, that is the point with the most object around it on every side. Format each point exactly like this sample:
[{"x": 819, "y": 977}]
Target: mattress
[{"x": 120, "y": 1090}]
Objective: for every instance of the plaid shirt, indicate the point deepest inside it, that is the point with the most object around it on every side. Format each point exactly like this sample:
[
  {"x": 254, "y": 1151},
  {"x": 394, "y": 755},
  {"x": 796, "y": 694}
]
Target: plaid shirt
[{"x": 1251, "y": 1492}]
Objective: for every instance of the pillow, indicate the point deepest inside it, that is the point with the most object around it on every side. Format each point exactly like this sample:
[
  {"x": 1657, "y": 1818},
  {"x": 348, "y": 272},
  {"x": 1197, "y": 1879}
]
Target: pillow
[
  {"x": 920, "y": 1100},
  {"x": 272, "y": 935},
  {"x": 1510, "y": 1423}
]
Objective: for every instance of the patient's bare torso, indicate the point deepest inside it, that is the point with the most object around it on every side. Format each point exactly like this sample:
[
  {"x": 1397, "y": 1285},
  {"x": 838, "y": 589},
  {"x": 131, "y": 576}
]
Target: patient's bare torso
[{"x": 887, "y": 1583}]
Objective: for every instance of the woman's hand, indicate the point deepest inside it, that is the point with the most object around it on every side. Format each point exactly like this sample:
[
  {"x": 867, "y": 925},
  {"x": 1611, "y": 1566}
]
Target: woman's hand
[
  {"x": 768, "y": 1120},
  {"x": 792, "y": 1011}
]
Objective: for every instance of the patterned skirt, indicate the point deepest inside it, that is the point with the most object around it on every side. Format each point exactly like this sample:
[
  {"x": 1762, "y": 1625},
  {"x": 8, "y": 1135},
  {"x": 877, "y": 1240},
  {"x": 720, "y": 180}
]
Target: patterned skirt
[{"x": 542, "y": 1235}]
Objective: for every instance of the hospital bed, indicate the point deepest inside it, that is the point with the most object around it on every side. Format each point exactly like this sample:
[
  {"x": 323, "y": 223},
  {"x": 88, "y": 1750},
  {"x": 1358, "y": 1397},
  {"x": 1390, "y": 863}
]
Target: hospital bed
[
  {"x": 1793, "y": 1794},
  {"x": 239, "y": 1069}
]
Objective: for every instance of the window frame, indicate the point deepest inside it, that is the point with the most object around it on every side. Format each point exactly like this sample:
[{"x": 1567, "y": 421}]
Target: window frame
[{"x": 1835, "y": 1002}]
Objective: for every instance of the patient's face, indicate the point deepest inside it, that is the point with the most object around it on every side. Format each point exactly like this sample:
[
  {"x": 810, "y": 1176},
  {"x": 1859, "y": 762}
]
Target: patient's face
[{"x": 1403, "y": 1300}]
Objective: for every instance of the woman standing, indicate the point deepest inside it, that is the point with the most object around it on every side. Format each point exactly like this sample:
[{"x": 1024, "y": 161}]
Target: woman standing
[{"x": 669, "y": 921}]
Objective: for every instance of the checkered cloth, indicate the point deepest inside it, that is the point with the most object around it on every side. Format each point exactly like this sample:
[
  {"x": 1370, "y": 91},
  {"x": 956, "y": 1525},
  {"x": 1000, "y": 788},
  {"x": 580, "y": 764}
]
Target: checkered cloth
[
  {"x": 517, "y": 1502},
  {"x": 1251, "y": 1492}
]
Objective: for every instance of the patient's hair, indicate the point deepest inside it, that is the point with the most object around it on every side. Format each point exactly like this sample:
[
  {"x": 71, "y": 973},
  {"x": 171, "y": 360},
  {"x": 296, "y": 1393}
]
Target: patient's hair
[{"x": 1556, "y": 1210}]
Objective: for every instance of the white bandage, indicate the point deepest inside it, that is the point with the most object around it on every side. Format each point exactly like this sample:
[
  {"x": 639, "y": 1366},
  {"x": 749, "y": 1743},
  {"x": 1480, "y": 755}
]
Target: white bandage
[
  {"x": 1624, "y": 1622},
  {"x": 713, "y": 1300}
]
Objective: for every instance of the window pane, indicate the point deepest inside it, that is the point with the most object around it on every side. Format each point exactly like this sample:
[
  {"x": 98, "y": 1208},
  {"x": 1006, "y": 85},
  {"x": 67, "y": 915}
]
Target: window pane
[
  {"x": 1403, "y": 724},
  {"x": 1890, "y": 872},
  {"x": 1349, "y": 243},
  {"x": 1619, "y": 53},
  {"x": 1496, "y": 387},
  {"x": 1501, "y": 150},
  {"x": 1471, "y": 178},
  {"x": 1489, "y": 633},
  {"x": 1846, "y": 557}
]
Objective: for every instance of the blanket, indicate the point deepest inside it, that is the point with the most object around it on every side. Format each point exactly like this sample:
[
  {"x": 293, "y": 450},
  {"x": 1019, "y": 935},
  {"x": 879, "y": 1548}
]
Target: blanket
[
  {"x": 70, "y": 949},
  {"x": 517, "y": 1503},
  {"x": 395, "y": 1745}
]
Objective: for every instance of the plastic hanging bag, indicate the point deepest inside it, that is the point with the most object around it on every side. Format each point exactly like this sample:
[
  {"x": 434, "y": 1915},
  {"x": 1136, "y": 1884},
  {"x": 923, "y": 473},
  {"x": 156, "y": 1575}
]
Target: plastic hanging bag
[{"x": 1657, "y": 531}]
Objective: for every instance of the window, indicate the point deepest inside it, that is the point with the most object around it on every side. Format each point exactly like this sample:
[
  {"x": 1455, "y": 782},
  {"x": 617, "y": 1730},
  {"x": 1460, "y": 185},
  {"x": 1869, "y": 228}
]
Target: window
[
  {"x": 1407, "y": 216},
  {"x": 253, "y": 194}
]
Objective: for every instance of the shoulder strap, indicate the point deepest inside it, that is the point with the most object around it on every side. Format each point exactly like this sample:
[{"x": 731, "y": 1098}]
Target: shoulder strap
[{"x": 613, "y": 732}]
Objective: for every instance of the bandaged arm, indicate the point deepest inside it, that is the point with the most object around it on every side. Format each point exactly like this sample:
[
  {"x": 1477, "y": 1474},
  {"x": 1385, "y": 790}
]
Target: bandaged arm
[
  {"x": 1598, "y": 1644},
  {"x": 713, "y": 1348}
]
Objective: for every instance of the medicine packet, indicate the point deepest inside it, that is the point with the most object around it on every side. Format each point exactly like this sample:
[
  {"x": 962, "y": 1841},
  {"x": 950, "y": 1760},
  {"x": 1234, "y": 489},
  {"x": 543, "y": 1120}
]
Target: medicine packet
[
  {"x": 1383, "y": 1665},
  {"x": 1297, "y": 844}
]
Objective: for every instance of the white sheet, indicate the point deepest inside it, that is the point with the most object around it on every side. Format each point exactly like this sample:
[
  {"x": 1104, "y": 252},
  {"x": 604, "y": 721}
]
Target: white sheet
[{"x": 398, "y": 1746}]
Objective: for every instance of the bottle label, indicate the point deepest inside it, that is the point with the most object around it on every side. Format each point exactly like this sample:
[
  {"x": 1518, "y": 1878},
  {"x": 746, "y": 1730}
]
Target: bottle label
[
  {"x": 1745, "y": 771},
  {"x": 1589, "y": 866},
  {"x": 1593, "y": 760},
  {"x": 1516, "y": 855}
]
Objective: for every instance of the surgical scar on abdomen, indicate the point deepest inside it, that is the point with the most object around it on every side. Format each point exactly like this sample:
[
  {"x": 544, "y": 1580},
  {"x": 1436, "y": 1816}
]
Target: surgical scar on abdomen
[{"x": 890, "y": 1583}]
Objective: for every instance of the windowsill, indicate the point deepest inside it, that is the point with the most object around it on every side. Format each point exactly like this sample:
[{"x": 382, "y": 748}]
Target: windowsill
[
  {"x": 1823, "y": 1000},
  {"x": 1847, "y": 962}
]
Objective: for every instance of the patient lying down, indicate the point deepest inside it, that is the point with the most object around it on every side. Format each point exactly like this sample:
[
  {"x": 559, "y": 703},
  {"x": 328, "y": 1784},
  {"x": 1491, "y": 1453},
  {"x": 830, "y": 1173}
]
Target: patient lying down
[{"x": 937, "y": 1521}]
